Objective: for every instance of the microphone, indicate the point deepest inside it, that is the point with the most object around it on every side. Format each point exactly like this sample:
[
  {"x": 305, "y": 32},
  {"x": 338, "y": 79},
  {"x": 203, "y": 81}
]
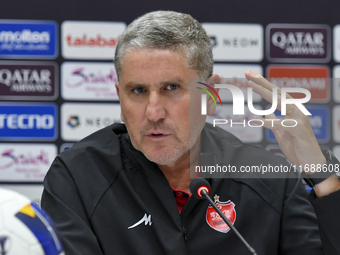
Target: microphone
[{"x": 200, "y": 189}]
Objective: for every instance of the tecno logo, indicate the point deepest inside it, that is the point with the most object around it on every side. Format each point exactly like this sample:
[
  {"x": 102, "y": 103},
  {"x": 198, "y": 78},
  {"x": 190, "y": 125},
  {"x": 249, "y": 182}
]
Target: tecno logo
[
  {"x": 28, "y": 121},
  {"x": 236, "y": 42},
  {"x": 298, "y": 43},
  {"x": 80, "y": 38}
]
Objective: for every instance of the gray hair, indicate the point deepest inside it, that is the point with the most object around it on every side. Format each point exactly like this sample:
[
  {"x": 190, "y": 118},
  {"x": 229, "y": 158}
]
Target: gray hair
[{"x": 168, "y": 30}]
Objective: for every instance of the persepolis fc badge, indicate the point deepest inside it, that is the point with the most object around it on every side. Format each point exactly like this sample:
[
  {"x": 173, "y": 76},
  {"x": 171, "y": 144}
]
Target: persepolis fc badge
[{"x": 213, "y": 218}]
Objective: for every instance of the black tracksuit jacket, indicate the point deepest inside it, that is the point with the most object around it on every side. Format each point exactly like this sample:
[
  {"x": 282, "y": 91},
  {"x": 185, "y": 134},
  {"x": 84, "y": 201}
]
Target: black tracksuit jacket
[{"x": 102, "y": 186}]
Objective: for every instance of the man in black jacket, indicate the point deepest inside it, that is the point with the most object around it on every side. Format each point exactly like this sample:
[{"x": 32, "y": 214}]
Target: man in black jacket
[{"x": 125, "y": 189}]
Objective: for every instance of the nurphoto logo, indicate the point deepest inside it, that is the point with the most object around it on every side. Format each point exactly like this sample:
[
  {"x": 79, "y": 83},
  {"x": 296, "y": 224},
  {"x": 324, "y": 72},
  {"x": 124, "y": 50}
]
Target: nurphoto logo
[{"x": 239, "y": 103}]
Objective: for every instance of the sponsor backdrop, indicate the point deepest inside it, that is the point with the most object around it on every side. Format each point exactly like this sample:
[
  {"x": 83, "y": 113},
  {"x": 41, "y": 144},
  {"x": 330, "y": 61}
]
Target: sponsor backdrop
[{"x": 57, "y": 77}]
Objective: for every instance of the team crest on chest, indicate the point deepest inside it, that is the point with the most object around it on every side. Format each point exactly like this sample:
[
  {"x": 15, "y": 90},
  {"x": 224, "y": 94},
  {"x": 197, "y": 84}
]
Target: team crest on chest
[{"x": 215, "y": 221}]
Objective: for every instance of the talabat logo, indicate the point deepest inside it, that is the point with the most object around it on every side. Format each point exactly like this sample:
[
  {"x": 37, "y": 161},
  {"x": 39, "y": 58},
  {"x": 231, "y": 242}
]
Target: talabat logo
[
  {"x": 28, "y": 81},
  {"x": 28, "y": 122},
  {"x": 28, "y": 39},
  {"x": 298, "y": 43},
  {"x": 313, "y": 78},
  {"x": 25, "y": 162},
  {"x": 90, "y": 39},
  {"x": 88, "y": 81},
  {"x": 236, "y": 42}
]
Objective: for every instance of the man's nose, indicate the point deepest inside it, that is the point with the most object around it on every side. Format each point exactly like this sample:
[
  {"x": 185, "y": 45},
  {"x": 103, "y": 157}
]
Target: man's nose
[{"x": 155, "y": 110}]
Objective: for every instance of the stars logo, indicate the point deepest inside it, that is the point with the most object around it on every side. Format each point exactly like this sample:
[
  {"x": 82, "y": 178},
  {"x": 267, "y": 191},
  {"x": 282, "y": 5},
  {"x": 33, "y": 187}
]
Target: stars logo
[
  {"x": 73, "y": 121},
  {"x": 215, "y": 221}
]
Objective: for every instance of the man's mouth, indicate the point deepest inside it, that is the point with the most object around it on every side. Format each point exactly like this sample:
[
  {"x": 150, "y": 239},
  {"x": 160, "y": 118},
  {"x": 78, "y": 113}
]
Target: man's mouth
[{"x": 157, "y": 136}]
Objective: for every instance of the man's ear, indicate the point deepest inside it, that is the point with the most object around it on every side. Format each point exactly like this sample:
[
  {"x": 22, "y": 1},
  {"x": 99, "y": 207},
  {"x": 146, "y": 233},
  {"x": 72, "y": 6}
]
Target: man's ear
[
  {"x": 117, "y": 88},
  {"x": 211, "y": 107},
  {"x": 121, "y": 113}
]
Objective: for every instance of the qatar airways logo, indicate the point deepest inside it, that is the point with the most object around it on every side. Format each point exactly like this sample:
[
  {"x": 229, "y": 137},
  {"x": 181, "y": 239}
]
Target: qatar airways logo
[
  {"x": 10, "y": 158},
  {"x": 298, "y": 43},
  {"x": 90, "y": 39},
  {"x": 239, "y": 101}
]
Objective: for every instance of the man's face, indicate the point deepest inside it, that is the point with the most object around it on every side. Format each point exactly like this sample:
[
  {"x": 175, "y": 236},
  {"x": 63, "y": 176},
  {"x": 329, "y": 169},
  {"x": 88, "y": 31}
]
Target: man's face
[{"x": 154, "y": 92}]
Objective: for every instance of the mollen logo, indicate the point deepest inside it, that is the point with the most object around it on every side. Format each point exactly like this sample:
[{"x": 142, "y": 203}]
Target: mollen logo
[
  {"x": 90, "y": 39},
  {"x": 298, "y": 43},
  {"x": 28, "y": 39},
  {"x": 28, "y": 81},
  {"x": 235, "y": 42},
  {"x": 28, "y": 122},
  {"x": 88, "y": 81},
  {"x": 313, "y": 78}
]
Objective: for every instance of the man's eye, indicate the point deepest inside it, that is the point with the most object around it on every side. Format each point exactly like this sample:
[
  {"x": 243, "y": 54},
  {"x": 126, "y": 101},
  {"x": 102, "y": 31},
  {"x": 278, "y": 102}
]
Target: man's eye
[
  {"x": 139, "y": 90},
  {"x": 172, "y": 87}
]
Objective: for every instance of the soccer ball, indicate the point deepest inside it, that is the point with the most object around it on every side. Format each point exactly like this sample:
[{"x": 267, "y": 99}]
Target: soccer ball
[{"x": 25, "y": 229}]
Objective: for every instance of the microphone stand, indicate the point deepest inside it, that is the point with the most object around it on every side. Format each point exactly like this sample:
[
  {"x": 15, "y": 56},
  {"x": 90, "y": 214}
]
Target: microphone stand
[{"x": 206, "y": 195}]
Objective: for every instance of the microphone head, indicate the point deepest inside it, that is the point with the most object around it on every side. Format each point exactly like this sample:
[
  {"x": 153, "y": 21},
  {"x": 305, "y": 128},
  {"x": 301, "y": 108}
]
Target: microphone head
[{"x": 197, "y": 185}]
